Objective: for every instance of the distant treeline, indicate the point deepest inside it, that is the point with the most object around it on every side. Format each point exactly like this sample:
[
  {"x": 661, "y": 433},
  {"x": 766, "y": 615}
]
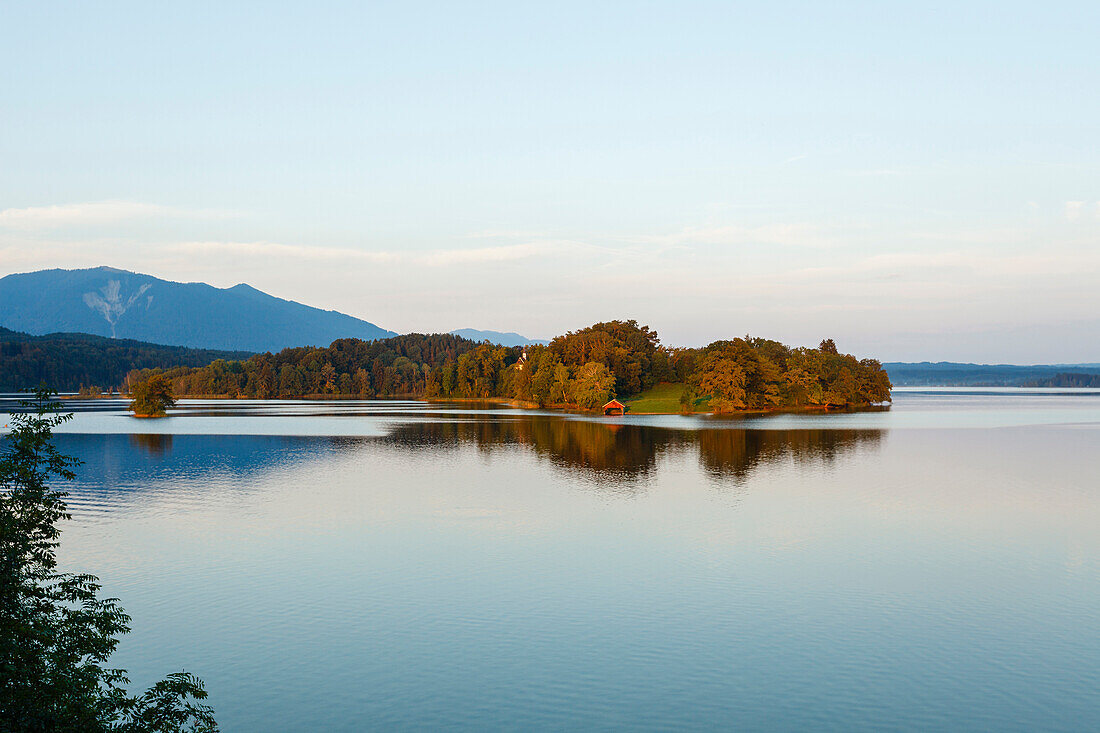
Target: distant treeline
[
  {"x": 581, "y": 369},
  {"x": 69, "y": 362},
  {"x": 955, "y": 374},
  {"x": 1068, "y": 379}
]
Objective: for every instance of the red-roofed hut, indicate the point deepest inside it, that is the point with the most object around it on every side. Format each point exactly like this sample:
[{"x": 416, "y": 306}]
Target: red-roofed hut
[{"x": 614, "y": 407}]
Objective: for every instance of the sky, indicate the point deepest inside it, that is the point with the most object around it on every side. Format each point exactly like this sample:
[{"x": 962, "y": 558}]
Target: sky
[{"x": 918, "y": 181}]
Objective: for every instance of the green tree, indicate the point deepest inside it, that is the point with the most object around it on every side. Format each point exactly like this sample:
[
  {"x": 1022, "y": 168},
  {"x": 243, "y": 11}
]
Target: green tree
[
  {"x": 594, "y": 385},
  {"x": 56, "y": 633},
  {"x": 290, "y": 382},
  {"x": 265, "y": 382},
  {"x": 465, "y": 376},
  {"x": 542, "y": 380},
  {"x": 562, "y": 386},
  {"x": 687, "y": 398},
  {"x": 152, "y": 396},
  {"x": 722, "y": 379},
  {"x": 447, "y": 381},
  {"x": 627, "y": 349},
  {"x": 516, "y": 380}
]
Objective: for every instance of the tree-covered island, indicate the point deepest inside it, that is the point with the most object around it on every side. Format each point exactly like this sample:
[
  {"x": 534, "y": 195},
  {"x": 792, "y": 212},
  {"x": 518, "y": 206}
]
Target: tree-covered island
[
  {"x": 579, "y": 370},
  {"x": 152, "y": 396}
]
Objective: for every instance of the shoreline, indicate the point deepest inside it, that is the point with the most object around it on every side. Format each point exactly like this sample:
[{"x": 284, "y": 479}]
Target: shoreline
[{"x": 504, "y": 401}]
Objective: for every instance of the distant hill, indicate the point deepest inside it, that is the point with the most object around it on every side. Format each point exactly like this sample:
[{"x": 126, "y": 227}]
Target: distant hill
[
  {"x": 954, "y": 374},
  {"x": 1066, "y": 379},
  {"x": 120, "y": 304},
  {"x": 67, "y": 361},
  {"x": 497, "y": 337}
]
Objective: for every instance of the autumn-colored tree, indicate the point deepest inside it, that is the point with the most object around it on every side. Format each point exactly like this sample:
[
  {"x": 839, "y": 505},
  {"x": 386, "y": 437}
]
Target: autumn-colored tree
[
  {"x": 152, "y": 396},
  {"x": 328, "y": 378},
  {"x": 768, "y": 374},
  {"x": 802, "y": 379}
]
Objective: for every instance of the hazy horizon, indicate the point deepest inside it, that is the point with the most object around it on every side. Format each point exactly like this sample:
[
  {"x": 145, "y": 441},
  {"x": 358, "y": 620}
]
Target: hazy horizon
[
  {"x": 546, "y": 337},
  {"x": 917, "y": 183}
]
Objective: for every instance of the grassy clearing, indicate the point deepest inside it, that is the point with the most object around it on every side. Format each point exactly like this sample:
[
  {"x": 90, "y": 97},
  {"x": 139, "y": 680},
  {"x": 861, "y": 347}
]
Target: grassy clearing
[{"x": 663, "y": 398}]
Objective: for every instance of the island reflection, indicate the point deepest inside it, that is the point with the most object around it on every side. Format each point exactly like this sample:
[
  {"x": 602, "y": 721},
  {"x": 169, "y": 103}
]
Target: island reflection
[
  {"x": 119, "y": 467},
  {"x": 618, "y": 452},
  {"x": 156, "y": 444}
]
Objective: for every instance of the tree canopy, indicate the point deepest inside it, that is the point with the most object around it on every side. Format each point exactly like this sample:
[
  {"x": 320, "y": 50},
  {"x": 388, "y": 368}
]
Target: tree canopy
[
  {"x": 581, "y": 369},
  {"x": 71, "y": 361},
  {"x": 56, "y": 633},
  {"x": 152, "y": 396}
]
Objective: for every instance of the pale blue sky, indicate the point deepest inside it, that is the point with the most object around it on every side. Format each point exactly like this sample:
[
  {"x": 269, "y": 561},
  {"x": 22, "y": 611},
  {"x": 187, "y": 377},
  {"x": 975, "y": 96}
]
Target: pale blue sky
[{"x": 914, "y": 180}]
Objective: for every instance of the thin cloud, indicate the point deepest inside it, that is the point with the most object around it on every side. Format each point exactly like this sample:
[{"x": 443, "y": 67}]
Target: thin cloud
[
  {"x": 507, "y": 234},
  {"x": 275, "y": 249},
  {"x": 876, "y": 172},
  {"x": 435, "y": 258},
  {"x": 95, "y": 213},
  {"x": 482, "y": 254},
  {"x": 787, "y": 235},
  {"x": 642, "y": 246}
]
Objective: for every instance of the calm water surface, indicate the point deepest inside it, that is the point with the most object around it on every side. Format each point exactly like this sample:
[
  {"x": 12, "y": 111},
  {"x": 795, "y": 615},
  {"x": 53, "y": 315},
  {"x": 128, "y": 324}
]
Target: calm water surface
[{"x": 354, "y": 565}]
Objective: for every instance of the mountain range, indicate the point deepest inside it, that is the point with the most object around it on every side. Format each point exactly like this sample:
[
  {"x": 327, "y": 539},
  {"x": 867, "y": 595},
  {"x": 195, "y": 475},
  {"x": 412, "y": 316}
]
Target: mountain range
[
  {"x": 503, "y": 338},
  {"x": 105, "y": 301},
  {"x": 113, "y": 303}
]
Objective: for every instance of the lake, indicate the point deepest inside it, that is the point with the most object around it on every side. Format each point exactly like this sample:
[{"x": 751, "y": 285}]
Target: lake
[{"x": 354, "y": 565}]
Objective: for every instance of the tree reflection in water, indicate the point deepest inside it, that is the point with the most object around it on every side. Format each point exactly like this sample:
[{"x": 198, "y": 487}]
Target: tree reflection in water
[
  {"x": 617, "y": 452},
  {"x": 601, "y": 451},
  {"x": 623, "y": 451},
  {"x": 604, "y": 452},
  {"x": 735, "y": 453},
  {"x": 156, "y": 444}
]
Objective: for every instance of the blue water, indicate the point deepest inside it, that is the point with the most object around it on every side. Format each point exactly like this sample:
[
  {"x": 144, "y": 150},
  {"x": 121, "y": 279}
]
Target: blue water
[{"x": 347, "y": 566}]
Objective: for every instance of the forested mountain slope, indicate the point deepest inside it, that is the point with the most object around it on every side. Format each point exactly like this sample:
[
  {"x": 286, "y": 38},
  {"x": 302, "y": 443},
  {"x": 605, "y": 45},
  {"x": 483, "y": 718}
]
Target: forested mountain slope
[{"x": 68, "y": 361}]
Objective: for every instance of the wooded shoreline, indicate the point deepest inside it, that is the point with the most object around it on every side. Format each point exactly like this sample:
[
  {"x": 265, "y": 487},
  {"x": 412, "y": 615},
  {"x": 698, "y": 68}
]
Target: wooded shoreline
[
  {"x": 580, "y": 371},
  {"x": 502, "y": 401}
]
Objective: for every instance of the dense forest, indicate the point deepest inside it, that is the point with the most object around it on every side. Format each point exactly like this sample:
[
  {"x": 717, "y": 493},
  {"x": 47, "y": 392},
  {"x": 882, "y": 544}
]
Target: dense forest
[
  {"x": 71, "y": 361},
  {"x": 1067, "y": 379},
  {"x": 580, "y": 369}
]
